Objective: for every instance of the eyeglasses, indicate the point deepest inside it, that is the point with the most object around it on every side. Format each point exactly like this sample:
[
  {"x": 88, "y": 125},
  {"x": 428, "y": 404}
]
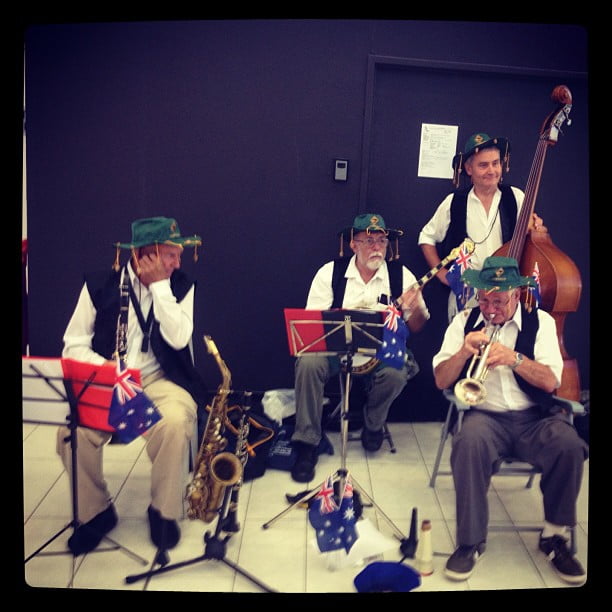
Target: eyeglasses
[
  {"x": 383, "y": 242},
  {"x": 497, "y": 304}
]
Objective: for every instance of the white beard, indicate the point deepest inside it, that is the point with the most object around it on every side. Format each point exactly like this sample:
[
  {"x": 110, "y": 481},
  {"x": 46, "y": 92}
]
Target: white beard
[{"x": 374, "y": 263}]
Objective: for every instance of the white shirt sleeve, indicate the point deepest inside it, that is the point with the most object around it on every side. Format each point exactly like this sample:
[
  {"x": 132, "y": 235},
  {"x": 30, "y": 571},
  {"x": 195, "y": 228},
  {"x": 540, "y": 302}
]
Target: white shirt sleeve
[
  {"x": 175, "y": 318},
  {"x": 435, "y": 229},
  {"x": 321, "y": 295},
  {"x": 80, "y": 330}
]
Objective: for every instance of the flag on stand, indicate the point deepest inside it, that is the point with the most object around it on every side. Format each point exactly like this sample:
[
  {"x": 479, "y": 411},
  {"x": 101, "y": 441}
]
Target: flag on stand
[
  {"x": 460, "y": 265},
  {"x": 131, "y": 412},
  {"x": 395, "y": 335},
  {"x": 324, "y": 516},
  {"x": 347, "y": 516},
  {"x": 334, "y": 526}
]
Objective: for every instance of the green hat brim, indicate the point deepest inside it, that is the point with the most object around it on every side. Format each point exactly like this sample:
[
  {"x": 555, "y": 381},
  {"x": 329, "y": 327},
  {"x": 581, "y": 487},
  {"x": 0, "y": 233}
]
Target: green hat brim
[
  {"x": 472, "y": 278},
  {"x": 503, "y": 144},
  {"x": 349, "y": 232},
  {"x": 182, "y": 242}
]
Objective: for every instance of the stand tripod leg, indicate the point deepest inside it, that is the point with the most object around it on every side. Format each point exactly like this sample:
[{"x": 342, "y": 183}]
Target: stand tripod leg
[
  {"x": 242, "y": 572},
  {"x": 389, "y": 522},
  {"x": 309, "y": 495},
  {"x": 57, "y": 535}
]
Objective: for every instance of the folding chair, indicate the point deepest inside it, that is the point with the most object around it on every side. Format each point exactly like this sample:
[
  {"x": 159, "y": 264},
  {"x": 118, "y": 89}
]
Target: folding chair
[{"x": 507, "y": 466}]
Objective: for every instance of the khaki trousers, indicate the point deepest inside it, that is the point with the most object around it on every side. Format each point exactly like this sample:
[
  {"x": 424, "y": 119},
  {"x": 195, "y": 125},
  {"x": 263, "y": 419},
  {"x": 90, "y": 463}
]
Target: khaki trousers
[{"x": 167, "y": 445}]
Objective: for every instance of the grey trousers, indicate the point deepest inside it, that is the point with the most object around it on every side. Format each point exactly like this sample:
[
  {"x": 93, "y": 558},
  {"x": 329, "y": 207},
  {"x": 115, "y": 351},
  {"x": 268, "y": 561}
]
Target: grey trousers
[
  {"x": 551, "y": 443},
  {"x": 167, "y": 446},
  {"x": 312, "y": 373}
]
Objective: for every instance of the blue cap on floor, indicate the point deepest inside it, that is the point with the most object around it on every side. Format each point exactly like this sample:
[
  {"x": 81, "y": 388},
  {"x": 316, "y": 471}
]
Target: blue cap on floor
[{"x": 387, "y": 576}]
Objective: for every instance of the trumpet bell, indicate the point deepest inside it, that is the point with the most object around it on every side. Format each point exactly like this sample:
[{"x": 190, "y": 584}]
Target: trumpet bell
[{"x": 470, "y": 391}]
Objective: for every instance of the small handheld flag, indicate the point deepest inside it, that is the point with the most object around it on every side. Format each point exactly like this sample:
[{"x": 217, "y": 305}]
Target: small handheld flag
[
  {"x": 533, "y": 297},
  {"x": 395, "y": 334},
  {"x": 460, "y": 265}
]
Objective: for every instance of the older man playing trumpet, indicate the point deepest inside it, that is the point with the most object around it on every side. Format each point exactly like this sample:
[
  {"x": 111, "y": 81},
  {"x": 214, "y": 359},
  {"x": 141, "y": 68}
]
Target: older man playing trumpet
[{"x": 515, "y": 416}]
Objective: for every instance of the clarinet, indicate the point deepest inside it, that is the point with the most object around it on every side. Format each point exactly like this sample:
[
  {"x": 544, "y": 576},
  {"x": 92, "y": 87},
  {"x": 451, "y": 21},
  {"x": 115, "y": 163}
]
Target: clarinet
[{"x": 230, "y": 522}]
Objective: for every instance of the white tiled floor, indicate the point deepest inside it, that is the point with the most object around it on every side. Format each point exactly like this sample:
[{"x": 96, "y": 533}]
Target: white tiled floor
[{"x": 282, "y": 556}]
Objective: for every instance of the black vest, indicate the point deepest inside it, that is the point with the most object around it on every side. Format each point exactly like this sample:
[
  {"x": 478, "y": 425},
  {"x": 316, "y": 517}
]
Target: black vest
[
  {"x": 178, "y": 366},
  {"x": 457, "y": 229},
  {"x": 525, "y": 343}
]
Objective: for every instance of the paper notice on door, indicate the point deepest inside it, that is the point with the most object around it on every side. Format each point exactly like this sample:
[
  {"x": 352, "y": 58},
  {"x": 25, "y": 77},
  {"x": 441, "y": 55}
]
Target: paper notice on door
[{"x": 438, "y": 147}]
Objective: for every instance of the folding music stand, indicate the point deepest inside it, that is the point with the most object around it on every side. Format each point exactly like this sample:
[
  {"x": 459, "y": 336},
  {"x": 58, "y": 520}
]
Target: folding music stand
[
  {"x": 44, "y": 400},
  {"x": 215, "y": 544},
  {"x": 349, "y": 333}
]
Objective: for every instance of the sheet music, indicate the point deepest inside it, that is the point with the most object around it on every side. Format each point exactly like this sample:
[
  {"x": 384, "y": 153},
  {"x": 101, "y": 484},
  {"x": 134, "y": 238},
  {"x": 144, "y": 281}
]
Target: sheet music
[{"x": 43, "y": 394}]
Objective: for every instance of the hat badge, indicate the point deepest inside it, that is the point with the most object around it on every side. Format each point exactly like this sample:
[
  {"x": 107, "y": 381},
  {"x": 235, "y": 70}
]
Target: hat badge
[
  {"x": 478, "y": 139},
  {"x": 499, "y": 273},
  {"x": 374, "y": 220}
]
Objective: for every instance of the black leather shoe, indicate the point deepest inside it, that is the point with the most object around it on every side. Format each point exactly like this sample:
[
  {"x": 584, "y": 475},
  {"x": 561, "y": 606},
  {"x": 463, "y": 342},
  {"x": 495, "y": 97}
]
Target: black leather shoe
[
  {"x": 88, "y": 535},
  {"x": 303, "y": 469},
  {"x": 371, "y": 440},
  {"x": 165, "y": 533}
]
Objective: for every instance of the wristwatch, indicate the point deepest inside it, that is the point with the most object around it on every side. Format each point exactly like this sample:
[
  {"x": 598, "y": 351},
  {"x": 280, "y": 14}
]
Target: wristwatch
[{"x": 517, "y": 361}]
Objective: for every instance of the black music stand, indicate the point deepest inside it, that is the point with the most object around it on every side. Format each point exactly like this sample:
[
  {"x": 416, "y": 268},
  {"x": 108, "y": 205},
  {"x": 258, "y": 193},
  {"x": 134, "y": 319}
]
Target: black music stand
[
  {"x": 215, "y": 545},
  {"x": 36, "y": 401},
  {"x": 352, "y": 332}
]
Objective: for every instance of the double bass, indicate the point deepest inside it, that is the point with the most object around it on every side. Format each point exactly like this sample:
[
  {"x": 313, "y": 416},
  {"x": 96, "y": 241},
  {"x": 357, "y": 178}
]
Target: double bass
[{"x": 560, "y": 282}]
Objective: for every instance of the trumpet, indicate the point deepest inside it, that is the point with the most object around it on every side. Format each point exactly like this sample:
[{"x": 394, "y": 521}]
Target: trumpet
[{"x": 471, "y": 390}]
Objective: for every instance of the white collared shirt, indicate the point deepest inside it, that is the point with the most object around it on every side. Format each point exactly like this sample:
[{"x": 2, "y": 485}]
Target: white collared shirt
[
  {"x": 503, "y": 392},
  {"x": 358, "y": 293},
  {"x": 175, "y": 319},
  {"x": 485, "y": 230}
]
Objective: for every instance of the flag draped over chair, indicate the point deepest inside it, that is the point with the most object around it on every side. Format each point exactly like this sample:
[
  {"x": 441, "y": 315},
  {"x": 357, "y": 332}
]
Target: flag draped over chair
[{"x": 131, "y": 412}]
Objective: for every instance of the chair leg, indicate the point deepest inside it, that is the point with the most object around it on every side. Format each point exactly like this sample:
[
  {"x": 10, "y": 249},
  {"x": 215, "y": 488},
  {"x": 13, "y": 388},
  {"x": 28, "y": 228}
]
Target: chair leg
[
  {"x": 388, "y": 438},
  {"x": 443, "y": 437}
]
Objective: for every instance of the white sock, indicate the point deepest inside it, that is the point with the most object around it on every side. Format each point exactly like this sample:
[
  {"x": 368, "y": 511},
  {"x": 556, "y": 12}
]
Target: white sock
[{"x": 550, "y": 529}]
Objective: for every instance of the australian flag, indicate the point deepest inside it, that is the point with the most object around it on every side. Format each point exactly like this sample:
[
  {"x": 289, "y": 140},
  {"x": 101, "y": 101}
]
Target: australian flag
[
  {"x": 535, "y": 291},
  {"x": 334, "y": 526},
  {"x": 131, "y": 412},
  {"x": 347, "y": 516},
  {"x": 460, "y": 265},
  {"x": 324, "y": 516},
  {"x": 395, "y": 335}
]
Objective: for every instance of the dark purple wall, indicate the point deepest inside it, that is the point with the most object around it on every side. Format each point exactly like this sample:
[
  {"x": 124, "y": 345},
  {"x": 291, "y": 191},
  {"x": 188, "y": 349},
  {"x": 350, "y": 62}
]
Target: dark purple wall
[{"x": 231, "y": 127}]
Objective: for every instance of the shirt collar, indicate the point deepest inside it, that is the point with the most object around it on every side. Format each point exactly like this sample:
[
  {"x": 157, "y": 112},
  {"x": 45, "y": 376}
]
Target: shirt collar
[
  {"x": 517, "y": 318},
  {"x": 352, "y": 271}
]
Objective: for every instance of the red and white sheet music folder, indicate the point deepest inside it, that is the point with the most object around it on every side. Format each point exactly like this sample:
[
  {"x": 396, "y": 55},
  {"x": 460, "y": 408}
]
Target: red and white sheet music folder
[
  {"x": 44, "y": 395},
  {"x": 322, "y": 331}
]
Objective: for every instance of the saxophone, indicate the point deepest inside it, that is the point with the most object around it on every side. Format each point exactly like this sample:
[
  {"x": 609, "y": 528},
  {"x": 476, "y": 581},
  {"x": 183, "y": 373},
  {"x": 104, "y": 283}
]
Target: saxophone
[{"x": 214, "y": 469}]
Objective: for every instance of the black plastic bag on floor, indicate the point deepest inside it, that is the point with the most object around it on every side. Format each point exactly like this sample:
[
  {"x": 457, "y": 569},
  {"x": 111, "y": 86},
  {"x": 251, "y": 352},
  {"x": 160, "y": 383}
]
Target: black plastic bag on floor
[{"x": 282, "y": 454}]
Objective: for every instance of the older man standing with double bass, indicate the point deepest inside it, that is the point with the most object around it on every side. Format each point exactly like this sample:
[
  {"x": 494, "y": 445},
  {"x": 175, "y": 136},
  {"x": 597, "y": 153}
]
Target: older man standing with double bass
[{"x": 518, "y": 416}]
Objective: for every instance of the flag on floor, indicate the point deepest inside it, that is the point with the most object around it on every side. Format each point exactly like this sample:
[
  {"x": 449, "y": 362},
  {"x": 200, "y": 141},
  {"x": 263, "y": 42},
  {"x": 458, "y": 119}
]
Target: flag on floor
[
  {"x": 324, "y": 516},
  {"x": 395, "y": 335},
  {"x": 453, "y": 276},
  {"x": 131, "y": 412}
]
